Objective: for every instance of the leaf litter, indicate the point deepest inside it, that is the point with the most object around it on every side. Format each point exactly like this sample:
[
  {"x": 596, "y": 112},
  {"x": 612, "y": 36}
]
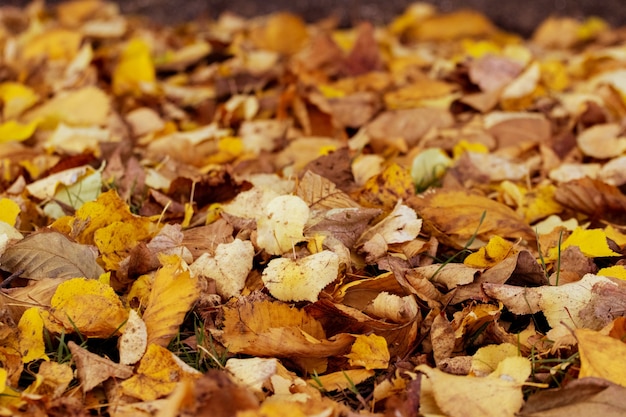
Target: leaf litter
[{"x": 269, "y": 216}]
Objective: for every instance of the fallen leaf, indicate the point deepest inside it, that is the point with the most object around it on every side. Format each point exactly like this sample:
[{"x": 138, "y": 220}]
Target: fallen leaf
[
  {"x": 456, "y": 216},
  {"x": 369, "y": 352},
  {"x": 51, "y": 380},
  {"x": 157, "y": 375},
  {"x": 499, "y": 394},
  {"x": 302, "y": 279},
  {"x": 50, "y": 255},
  {"x": 92, "y": 369},
  {"x": 31, "y": 341},
  {"x": 599, "y": 356},
  {"x": 135, "y": 71},
  {"x": 134, "y": 339},
  {"x": 173, "y": 293},
  {"x": 282, "y": 223},
  {"x": 88, "y": 306}
]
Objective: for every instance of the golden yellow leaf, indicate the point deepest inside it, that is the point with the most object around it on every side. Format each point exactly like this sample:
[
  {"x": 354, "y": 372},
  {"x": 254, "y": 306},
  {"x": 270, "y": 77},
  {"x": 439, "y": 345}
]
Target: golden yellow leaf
[
  {"x": 9, "y": 210},
  {"x": 115, "y": 240},
  {"x": 554, "y": 75},
  {"x": 493, "y": 253},
  {"x": 601, "y": 356},
  {"x": 30, "y": 326},
  {"x": 12, "y": 131},
  {"x": 173, "y": 293},
  {"x": 370, "y": 352},
  {"x": 385, "y": 189},
  {"x": 16, "y": 98},
  {"x": 135, "y": 71},
  {"x": 341, "y": 380},
  {"x": 615, "y": 235},
  {"x": 108, "y": 209},
  {"x": 62, "y": 44},
  {"x": 486, "y": 359},
  {"x": 157, "y": 375},
  {"x": 615, "y": 271},
  {"x": 87, "y": 306},
  {"x": 592, "y": 243}
]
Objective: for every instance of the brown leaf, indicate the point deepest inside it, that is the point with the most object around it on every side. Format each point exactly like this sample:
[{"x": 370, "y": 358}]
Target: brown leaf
[
  {"x": 50, "y": 255},
  {"x": 519, "y": 269},
  {"x": 364, "y": 56},
  {"x": 593, "y": 198},
  {"x": 93, "y": 369},
  {"x": 320, "y": 193},
  {"x": 580, "y": 398},
  {"x": 407, "y": 124},
  {"x": 455, "y": 216}
]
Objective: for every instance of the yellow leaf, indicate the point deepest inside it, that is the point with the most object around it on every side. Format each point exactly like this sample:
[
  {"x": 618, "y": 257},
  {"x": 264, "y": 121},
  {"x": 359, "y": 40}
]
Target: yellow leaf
[
  {"x": 341, "y": 380},
  {"x": 480, "y": 48},
  {"x": 370, "y": 352},
  {"x": 9, "y": 210},
  {"x": 16, "y": 98},
  {"x": 486, "y": 359},
  {"x": 116, "y": 240},
  {"x": 493, "y": 253},
  {"x": 302, "y": 279},
  {"x": 13, "y": 131},
  {"x": 135, "y": 70},
  {"x": 87, "y": 306},
  {"x": 173, "y": 293},
  {"x": 615, "y": 271},
  {"x": 62, "y": 44},
  {"x": 592, "y": 243},
  {"x": 31, "y": 341},
  {"x": 601, "y": 356},
  {"x": 157, "y": 375},
  {"x": 108, "y": 209},
  {"x": 451, "y": 26},
  {"x": 385, "y": 189},
  {"x": 554, "y": 75},
  {"x": 463, "y": 146}
]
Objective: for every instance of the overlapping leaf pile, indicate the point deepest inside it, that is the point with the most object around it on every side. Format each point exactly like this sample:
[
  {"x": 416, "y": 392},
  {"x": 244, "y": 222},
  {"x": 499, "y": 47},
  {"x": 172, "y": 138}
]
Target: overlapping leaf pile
[{"x": 263, "y": 217}]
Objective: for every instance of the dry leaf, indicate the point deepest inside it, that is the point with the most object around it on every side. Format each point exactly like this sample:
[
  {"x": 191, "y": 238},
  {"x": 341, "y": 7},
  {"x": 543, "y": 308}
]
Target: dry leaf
[
  {"x": 50, "y": 255},
  {"x": 134, "y": 339},
  {"x": 369, "y": 352},
  {"x": 92, "y": 369},
  {"x": 302, "y": 279},
  {"x": 600, "y": 356}
]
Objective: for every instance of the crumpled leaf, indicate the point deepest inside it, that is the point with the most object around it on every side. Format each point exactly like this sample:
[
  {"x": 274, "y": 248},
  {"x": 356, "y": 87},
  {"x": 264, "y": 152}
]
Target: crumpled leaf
[
  {"x": 173, "y": 293},
  {"x": 50, "y": 255},
  {"x": 92, "y": 369},
  {"x": 302, "y": 279},
  {"x": 498, "y": 395},
  {"x": 265, "y": 328},
  {"x": 88, "y": 306},
  {"x": 51, "y": 380},
  {"x": 576, "y": 304},
  {"x": 579, "y": 398},
  {"x": 229, "y": 267},
  {"x": 134, "y": 339},
  {"x": 370, "y": 352}
]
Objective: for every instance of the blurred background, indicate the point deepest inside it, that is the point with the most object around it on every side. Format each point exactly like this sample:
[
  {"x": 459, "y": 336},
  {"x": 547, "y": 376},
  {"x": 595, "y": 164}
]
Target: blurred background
[{"x": 520, "y": 16}]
